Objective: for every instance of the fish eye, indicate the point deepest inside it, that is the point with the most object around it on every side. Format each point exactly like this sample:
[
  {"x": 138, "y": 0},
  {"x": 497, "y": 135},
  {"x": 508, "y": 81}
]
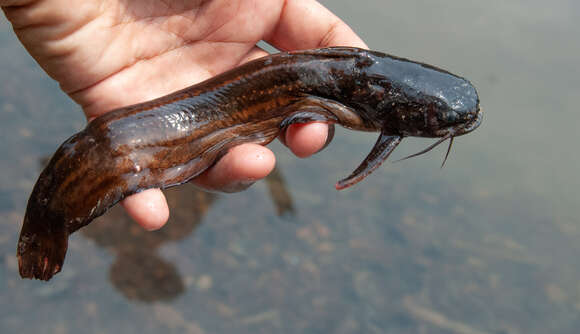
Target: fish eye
[
  {"x": 448, "y": 116},
  {"x": 451, "y": 116}
]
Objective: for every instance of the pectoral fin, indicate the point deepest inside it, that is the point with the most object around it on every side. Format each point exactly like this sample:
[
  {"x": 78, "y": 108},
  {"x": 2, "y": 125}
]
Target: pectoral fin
[
  {"x": 384, "y": 146},
  {"x": 314, "y": 108}
]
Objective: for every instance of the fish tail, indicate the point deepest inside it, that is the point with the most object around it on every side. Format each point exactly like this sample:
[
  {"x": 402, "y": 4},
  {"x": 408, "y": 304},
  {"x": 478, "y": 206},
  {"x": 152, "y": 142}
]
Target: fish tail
[{"x": 41, "y": 249}]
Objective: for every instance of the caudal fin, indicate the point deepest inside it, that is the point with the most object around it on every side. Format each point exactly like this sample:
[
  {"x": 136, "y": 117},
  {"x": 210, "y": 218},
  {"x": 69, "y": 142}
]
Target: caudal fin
[{"x": 41, "y": 249}]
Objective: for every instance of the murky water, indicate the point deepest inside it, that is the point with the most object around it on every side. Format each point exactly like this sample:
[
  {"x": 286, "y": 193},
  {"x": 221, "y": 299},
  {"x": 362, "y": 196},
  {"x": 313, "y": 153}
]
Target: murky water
[{"x": 489, "y": 244}]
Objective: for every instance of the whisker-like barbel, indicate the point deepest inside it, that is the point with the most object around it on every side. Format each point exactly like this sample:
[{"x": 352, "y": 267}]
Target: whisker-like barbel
[
  {"x": 429, "y": 148},
  {"x": 448, "y": 150}
]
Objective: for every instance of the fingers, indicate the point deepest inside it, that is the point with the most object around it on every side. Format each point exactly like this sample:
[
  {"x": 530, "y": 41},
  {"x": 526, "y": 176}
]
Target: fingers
[
  {"x": 305, "y": 140},
  {"x": 247, "y": 163},
  {"x": 306, "y": 24},
  {"x": 148, "y": 208},
  {"x": 238, "y": 169}
]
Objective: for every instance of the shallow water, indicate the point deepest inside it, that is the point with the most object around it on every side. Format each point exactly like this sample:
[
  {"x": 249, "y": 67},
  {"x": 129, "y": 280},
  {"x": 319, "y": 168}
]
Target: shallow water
[{"x": 488, "y": 244}]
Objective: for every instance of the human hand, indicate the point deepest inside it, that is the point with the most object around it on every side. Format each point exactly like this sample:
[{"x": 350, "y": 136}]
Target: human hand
[{"x": 108, "y": 54}]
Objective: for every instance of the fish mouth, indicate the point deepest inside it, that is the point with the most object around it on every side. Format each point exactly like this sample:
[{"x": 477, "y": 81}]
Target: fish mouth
[
  {"x": 450, "y": 133},
  {"x": 469, "y": 126}
]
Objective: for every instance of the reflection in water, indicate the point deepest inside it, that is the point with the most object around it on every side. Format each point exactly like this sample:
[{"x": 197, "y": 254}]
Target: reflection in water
[
  {"x": 279, "y": 193},
  {"x": 138, "y": 271}
]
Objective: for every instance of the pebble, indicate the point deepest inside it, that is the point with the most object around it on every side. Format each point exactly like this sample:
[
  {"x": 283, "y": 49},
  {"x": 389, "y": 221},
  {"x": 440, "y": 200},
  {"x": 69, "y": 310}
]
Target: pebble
[{"x": 204, "y": 282}]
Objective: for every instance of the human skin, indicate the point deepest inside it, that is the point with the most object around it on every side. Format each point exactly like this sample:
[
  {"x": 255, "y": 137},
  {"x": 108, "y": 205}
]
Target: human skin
[{"x": 111, "y": 53}]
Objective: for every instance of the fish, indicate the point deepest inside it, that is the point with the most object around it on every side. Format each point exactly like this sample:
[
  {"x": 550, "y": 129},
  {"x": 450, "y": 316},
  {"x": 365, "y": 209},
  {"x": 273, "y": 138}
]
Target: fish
[{"x": 168, "y": 141}]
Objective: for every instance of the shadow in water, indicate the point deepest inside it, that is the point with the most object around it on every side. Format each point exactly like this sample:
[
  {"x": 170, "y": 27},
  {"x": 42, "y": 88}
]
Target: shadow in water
[{"x": 138, "y": 272}]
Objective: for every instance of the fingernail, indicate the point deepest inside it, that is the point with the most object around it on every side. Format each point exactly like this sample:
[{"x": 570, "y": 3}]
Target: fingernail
[{"x": 329, "y": 137}]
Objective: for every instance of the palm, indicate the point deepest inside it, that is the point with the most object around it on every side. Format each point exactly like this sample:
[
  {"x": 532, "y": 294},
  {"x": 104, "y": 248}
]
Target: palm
[{"x": 129, "y": 51}]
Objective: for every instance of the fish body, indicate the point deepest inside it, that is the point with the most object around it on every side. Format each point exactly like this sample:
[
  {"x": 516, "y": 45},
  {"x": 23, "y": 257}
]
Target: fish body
[{"x": 172, "y": 139}]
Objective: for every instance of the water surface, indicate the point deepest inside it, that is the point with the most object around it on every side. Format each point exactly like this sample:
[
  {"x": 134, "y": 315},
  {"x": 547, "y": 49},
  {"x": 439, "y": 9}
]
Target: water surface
[{"x": 489, "y": 244}]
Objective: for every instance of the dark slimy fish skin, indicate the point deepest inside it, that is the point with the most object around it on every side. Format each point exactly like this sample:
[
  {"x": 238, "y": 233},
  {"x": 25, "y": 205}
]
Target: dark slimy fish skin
[{"x": 170, "y": 140}]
